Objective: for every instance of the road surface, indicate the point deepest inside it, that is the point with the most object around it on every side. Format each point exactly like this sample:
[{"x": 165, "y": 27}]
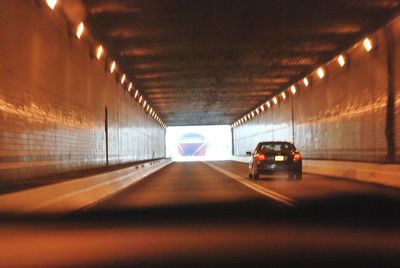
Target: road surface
[{"x": 211, "y": 214}]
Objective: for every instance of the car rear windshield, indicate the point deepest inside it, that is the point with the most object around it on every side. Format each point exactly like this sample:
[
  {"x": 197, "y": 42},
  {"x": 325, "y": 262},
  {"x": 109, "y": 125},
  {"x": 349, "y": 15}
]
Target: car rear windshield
[{"x": 276, "y": 147}]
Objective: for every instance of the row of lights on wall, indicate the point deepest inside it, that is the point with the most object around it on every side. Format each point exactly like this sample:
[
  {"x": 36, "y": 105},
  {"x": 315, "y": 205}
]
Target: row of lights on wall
[
  {"x": 123, "y": 80},
  {"x": 321, "y": 73}
]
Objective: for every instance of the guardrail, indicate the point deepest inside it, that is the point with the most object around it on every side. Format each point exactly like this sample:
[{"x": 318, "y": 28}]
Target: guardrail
[
  {"x": 61, "y": 198},
  {"x": 383, "y": 174}
]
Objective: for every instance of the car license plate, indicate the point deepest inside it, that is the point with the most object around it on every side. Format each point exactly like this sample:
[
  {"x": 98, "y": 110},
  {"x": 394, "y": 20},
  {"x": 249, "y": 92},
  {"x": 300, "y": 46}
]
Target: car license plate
[{"x": 279, "y": 158}]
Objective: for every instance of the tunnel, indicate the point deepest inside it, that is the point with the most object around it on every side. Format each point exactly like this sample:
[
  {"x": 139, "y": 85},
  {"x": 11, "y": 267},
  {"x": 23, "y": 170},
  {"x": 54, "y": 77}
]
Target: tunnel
[{"x": 136, "y": 133}]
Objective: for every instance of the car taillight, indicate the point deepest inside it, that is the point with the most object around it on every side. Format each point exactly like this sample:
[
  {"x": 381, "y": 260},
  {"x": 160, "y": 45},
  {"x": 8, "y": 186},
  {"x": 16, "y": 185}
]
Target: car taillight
[
  {"x": 261, "y": 157},
  {"x": 297, "y": 156}
]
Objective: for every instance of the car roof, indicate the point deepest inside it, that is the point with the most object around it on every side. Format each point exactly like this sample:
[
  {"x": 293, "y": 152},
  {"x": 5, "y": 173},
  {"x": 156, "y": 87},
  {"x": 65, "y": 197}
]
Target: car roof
[{"x": 273, "y": 142}]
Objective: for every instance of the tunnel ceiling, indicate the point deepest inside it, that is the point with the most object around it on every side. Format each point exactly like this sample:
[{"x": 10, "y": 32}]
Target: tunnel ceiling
[{"x": 204, "y": 62}]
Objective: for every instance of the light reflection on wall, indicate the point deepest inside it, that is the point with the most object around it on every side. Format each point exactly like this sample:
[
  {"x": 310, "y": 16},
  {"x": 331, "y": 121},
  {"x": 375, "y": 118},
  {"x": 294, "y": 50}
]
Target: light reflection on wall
[{"x": 197, "y": 143}]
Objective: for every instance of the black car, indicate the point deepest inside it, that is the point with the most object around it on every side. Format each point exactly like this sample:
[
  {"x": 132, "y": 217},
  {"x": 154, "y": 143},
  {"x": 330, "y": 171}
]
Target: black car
[{"x": 270, "y": 157}]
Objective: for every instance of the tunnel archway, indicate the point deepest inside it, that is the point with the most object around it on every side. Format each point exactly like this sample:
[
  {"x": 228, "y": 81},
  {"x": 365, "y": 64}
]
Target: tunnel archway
[{"x": 192, "y": 144}]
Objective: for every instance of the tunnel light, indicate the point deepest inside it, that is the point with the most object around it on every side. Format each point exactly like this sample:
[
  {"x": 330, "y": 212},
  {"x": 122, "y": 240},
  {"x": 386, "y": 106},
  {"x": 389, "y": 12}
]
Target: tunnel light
[
  {"x": 367, "y": 44},
  {"x": 151, "y": 110},
  {"x": 321, "y": 73},
  {"x": 257, "y": 111},
  {"x": 144, "y": 103},
  {"x": 51, "y": 3},
  {"x": 341, "y": 60},
  {"x": 136, "y": 93},
  {"x": 283, "y": 95},
  {"x": 99, "y": 52},
  {"x": 293, "y": 89},
  {"x": 123, "y": 79},
  {"x": 148, "y": 107},
  {"x": 252, "y": 114},
  {"x": 248, "y": 116},
  {"x": 112, "y": 68},
  {"x": 268, "y": 104},
  {"x": 306, "y": 82},
  {"x": 245, "y": 119},
  {"x": 275, "y": 100},
  {"x": 262, "y": 108},
  {"x": 130, "y": 87},
  {"x": 79, "y": 30},
  {"x": 140, "y": 99}
]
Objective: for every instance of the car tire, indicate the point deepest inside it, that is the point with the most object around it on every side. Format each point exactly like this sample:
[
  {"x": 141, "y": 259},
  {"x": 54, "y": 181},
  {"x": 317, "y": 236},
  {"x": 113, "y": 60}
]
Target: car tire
[
  {"x": 295, "y": 176},
  {"x": 298, "y": 176},
  {"x": 256, "y": 176}
]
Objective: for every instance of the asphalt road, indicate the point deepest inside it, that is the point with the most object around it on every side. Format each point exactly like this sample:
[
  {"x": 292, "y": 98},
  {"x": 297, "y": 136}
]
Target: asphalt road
[{"x": 211, "y": 214}]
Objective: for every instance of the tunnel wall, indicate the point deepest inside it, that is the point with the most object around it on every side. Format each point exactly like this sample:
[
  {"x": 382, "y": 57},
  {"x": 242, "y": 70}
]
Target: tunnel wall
[
  {"x": 344, "y": 115},
  {"x": 53, "y": 96}
]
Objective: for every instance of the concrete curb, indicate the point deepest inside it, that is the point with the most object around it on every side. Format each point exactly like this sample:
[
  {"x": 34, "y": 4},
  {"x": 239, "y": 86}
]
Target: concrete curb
[
  {"x": 382, "y": 174},
  {"x": 72, "y": 195}
]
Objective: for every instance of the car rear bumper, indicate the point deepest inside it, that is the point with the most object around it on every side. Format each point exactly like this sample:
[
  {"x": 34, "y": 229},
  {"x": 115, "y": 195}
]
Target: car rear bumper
[{"x": 268, "y": 168}]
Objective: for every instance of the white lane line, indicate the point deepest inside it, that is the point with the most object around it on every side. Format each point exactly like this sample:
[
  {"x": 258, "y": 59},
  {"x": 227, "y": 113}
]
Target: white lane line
[{"x": 268, "y": 193}]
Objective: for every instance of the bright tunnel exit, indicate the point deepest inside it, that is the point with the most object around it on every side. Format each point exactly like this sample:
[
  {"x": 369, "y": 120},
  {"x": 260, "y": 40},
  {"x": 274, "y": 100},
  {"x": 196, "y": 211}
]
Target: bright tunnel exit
[{"x": 196, "y": 143}]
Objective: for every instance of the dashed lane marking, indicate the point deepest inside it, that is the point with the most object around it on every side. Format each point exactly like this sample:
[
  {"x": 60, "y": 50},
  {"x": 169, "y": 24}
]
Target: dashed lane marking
[{"x": 268, "y": 193}]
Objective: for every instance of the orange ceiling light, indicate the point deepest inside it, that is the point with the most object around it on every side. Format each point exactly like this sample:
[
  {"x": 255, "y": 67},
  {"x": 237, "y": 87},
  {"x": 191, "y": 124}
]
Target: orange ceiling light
[
  {"x": 367, "y": 44},
  {"x": 113, "y": 66},
  {"x": 321, "y": 72},
  {"x": 293, "y": 89},
  {"x": 306, "y": 82},
  {"x": 51, "y": 3},
  {"x": 79, "y": 30},
  {"x": 341, "y": 60},
  {"x": 99, "y": 52}
]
